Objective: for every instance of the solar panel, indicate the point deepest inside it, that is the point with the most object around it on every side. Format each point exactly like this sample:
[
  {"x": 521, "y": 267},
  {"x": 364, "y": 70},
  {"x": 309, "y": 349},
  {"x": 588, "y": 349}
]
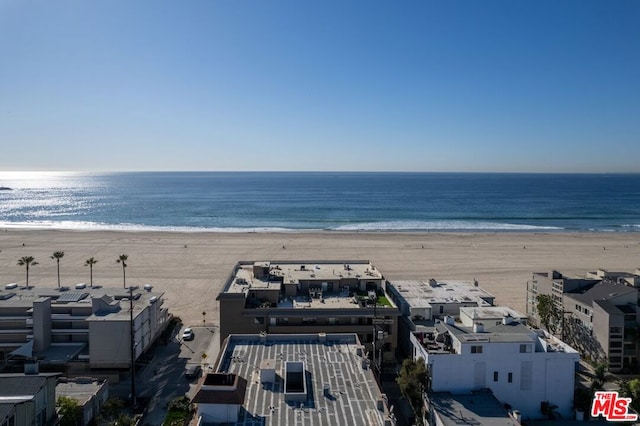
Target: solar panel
[{"x": 71, "y": 297}]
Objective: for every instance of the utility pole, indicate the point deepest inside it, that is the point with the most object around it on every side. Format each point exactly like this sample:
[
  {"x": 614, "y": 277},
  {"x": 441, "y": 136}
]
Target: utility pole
[
  {"x": 375, "y": 332},
  {"x": 133, "y": 349}
]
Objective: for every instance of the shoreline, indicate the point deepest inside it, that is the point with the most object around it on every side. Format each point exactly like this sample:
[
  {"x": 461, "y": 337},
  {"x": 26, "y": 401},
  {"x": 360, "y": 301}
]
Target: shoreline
[{"x": 192, "y": 267}]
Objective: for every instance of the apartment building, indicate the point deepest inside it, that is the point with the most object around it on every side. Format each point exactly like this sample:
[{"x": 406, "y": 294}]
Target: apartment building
[
  {"x": 84, "y": 325},
  {"x": 309, "y": 296},
  {"x": 315, "y": 379},
  {"x": 599, "y": 314},
  {"x": 525, "y": 369}
]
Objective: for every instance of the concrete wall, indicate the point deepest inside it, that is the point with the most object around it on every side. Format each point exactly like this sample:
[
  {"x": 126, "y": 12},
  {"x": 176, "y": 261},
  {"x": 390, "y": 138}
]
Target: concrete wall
[
  {"x": 109, "y": 344},
  {"x": 218, "y": 413},
  {"x": 41, "y": 324}
]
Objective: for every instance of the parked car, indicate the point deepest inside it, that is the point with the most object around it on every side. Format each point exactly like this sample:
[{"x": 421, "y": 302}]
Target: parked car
[
  {"x": 187, "y": 334},
  {"x": 193, "y": 371}
]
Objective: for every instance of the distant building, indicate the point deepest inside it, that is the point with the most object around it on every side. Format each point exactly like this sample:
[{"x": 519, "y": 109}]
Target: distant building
[
  {"x": 28, "y": 399},
  {"x": 321, "y": 379},
  {"x": 525, "y": 369},
  {"x": 310, "y": 296},
  {"x": 600, "y": 313},
  {"x": 90, "y": 394},
  {"x": 90, "y": 325}
]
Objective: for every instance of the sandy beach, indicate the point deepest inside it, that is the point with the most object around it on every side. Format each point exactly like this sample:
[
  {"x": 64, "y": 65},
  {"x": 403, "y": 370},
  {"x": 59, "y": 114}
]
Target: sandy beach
[{"x": 191, "y": 267}]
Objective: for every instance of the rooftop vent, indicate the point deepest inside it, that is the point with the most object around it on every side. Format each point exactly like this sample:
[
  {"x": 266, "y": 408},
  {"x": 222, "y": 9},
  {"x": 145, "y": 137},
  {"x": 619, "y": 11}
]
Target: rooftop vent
[
  {"x": 154, "y": 299},
  {"x": 147, "y": 287},
  {"x": 11, "y": 286},
  {"x": 295, "y": 382},
  {"x": 267, "y": 371},
  {"x": 80, "y": 286}
]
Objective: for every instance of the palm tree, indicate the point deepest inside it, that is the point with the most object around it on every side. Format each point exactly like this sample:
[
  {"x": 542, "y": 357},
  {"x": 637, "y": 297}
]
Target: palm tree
[
  {"x": 57, "y": 255},
  {"x": 27, "y": 261},
  {"x": 122, "y": 259},
  {"x": 90, "y": 262}
]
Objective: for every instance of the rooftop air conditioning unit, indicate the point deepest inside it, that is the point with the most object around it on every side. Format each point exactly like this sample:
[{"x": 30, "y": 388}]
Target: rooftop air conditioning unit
[{"x": 11, "y": 286}]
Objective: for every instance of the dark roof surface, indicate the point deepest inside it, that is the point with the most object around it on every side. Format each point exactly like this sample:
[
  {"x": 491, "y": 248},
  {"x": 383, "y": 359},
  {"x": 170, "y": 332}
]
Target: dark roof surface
[
  {"x": 22, "y": 384},
  {"x": 235, "y": 394},
  {"x": 602, "y": 291}
]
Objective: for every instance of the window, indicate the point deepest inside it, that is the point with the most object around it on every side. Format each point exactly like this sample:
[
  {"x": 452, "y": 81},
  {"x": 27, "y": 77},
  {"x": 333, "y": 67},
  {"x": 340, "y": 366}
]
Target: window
[
  {"x": 442, "y": 309},
  {"x": 476, "y": 349},
  {"x": 510, "y": 378},
  {"x": 524, "y": 348},
  {"x": 495, "y": 376}
]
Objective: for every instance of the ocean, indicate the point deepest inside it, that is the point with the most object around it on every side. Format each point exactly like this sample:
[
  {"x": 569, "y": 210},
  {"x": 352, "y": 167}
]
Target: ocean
[{"x": 327, "y": 201}]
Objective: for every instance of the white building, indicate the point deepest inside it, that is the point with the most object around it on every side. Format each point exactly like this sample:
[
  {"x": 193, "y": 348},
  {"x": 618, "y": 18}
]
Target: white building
[{"x": 525, "y": 369}]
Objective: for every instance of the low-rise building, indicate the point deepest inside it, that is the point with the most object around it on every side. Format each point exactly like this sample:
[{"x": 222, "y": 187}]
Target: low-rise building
[
  {"x": 320, "y": 379},
  {"x": 524, "y": 368},
  {"x": 28, "y": 399},
  {"x": 84, "y": 324},
  {"x": 310, "y": 297},
  {"x": 89, "y": 393}
]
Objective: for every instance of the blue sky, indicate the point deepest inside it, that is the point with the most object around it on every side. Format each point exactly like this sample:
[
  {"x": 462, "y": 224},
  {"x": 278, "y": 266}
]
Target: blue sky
[{"x": 320, "y": 85}]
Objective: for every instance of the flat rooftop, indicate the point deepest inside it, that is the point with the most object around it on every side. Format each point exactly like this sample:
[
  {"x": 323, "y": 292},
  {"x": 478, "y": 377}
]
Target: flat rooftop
[
  {"x": 80, "y": 389},
  {"x": 476, "y": 408},
  {"x": 481, "y": 312},
  {"x": 422, "y": 294},
  {"x": 503, "y": 333},
  {"x": 293, "y": 272},
  {"x": 21, "y": 297},
  {"x": 340, "y": 389}
]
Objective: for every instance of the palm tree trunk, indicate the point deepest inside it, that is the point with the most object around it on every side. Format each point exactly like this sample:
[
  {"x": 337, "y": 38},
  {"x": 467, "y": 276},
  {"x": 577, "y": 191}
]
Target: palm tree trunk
[
  {"x": 91, "y": 274},
  {"x": 58, "y": 273},
  {"x": 27, "y": 277},
  {"x": 124, "y": 278}
]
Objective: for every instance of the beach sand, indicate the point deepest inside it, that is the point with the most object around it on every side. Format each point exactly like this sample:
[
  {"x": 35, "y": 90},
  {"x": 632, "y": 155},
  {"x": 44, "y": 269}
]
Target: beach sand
[{"x": 190, "y": 268}]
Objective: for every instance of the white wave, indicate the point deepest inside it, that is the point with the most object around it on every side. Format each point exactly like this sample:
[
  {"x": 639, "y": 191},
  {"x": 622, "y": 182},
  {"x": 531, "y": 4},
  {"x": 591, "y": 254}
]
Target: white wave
[
  {"x": 131, "y": 227},
  {"x": 441, "y": 225}
]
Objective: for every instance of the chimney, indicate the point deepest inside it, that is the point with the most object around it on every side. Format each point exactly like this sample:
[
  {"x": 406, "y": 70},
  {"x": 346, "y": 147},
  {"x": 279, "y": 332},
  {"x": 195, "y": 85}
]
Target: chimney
[{"x": 31, "y": 367}]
